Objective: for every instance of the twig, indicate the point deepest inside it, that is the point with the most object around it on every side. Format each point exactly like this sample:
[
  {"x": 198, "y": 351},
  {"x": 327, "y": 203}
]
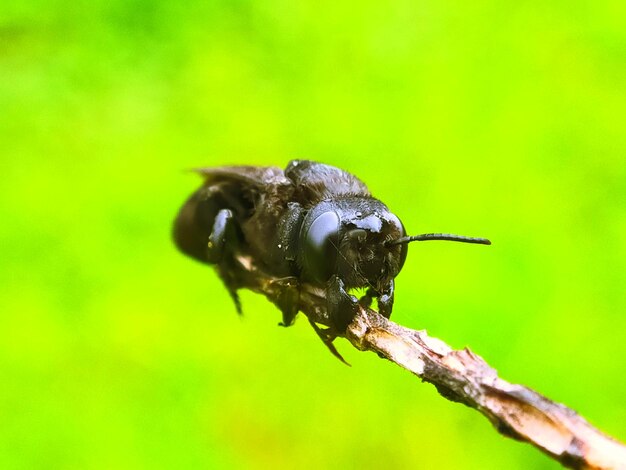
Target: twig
[
  {"x": 515, "y": 411},
  {"x": 462, "y": 376}
]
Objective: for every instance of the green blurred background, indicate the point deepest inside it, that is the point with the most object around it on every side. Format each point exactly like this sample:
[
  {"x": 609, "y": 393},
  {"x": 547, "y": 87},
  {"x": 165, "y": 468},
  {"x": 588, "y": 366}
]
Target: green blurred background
[{"x": 483, "y": 118}]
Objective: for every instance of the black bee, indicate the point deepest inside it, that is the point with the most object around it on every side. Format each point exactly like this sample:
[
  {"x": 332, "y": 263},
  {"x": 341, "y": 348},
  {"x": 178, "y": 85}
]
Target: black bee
[{"x": 312, "y": 223}]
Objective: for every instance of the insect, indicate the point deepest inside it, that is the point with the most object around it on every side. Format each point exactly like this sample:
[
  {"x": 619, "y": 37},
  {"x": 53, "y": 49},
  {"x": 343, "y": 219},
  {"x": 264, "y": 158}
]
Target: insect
[{"x": 312, "y": 223}]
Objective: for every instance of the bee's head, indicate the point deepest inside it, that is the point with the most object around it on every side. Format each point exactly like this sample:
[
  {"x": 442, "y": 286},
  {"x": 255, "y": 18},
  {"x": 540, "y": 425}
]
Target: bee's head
[
  {"x": 351, "y": 242},
  {"x": 360, "y": 241},
  {"x": 364, "y": 258}
]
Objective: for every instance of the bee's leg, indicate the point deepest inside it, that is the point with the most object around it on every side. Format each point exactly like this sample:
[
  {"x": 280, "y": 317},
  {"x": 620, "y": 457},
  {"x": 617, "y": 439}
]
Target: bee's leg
[
  {"x": 287, "y": 298},
  {"x": 232, "y": 291},
  {"x": 327, "y": 338},
  {"x": 366, "y": 300},
  {"x": 223, "y": 235},
  {"x": 385, "y": 300},
  {"x": 341, "y": 305},
  {"x": 220, "y": 245}
]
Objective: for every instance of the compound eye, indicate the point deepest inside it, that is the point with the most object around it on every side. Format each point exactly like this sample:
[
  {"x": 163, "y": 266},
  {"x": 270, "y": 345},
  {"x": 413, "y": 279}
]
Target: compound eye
[
  {"x": 405, "y": 246},
  {"x": 320, "y": 246},
  {"x": 395, "y": 222}
]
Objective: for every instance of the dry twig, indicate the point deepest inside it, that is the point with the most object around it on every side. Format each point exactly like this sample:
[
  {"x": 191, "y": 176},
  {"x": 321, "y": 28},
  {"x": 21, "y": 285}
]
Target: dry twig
[{"x": 462, "y": 376}]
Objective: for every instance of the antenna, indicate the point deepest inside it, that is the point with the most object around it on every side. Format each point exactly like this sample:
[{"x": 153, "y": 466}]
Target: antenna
[{"x": 438, "y": 236}]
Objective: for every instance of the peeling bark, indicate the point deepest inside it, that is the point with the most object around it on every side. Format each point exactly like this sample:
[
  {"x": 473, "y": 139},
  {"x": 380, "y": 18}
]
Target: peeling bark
[{"x": 515, "y": 411}]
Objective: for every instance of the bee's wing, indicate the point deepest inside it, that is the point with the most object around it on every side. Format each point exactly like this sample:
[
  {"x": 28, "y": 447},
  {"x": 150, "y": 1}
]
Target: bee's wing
[
  {"x": 255, "y": 177},
  {"x": 315, "y": 182}
]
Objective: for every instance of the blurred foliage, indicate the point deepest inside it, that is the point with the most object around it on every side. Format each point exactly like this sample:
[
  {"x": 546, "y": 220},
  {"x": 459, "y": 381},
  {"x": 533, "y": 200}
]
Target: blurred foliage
[{"x": 504, "y": 121}]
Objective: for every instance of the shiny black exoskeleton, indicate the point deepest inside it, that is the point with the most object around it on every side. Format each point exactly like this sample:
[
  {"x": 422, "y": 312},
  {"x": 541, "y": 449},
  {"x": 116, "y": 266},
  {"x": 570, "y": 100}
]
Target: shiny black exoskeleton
[{"x": 311, "y": 223}]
